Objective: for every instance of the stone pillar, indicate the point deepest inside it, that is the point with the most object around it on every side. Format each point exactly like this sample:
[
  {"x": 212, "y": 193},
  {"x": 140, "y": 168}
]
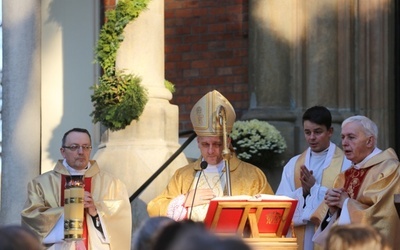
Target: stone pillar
[
  {"x": 135, "y": 153},
  {"x": 320, "y": 55},
  {"x": 273, "y": 28},
  {"x": 21, "y": 104},
  {"x": 374, "y": 93}
]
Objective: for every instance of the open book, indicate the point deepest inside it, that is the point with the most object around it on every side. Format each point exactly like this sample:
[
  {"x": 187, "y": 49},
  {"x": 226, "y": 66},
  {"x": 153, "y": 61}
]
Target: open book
[{"x": 251, "y": 216}]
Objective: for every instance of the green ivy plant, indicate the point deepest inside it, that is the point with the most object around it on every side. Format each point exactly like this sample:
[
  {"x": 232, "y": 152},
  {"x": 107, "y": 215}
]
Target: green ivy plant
[
  {"x": 170, "y": 86},
  {"x": 119, "y": 98}
]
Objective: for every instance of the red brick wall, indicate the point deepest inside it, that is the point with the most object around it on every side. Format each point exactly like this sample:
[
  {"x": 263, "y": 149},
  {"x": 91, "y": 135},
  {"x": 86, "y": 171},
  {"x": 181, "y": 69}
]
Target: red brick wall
[
  {"x": 107, "y": 5},
  {"x": 205, "y": 49}
]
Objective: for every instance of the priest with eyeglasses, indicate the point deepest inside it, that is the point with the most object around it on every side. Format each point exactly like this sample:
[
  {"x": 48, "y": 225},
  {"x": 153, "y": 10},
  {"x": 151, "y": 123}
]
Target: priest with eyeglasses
[{"x": 104, "y": 202}]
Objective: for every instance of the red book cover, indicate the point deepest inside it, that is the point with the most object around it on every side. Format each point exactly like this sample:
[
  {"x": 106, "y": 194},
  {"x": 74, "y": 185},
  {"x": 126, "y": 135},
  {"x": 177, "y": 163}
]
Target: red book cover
[{"x": 230, "y": 214}]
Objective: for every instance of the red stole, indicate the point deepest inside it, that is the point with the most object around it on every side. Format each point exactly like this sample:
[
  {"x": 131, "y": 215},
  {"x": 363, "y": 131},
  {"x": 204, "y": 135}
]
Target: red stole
[
  {"x": 88, "y": 186},
  {"x": 353, "y": 180}
]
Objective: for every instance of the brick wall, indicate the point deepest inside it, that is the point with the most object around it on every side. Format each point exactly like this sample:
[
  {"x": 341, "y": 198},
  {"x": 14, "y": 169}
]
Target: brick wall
[
  {"x": 106, "y": 5},
  {"x": 206, "y": 48}
]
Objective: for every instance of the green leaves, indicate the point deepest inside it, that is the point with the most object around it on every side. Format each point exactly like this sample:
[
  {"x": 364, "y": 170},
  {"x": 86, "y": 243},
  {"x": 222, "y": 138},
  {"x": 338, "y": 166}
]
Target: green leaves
[
  {"x": 170, "y": 86},
  {"x": 118, "y": 99}
]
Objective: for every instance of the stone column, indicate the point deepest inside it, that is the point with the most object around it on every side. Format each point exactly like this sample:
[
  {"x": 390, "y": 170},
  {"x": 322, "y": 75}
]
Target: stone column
[
  {"x": 21, "y": 104},
  {"x": 135, "y": 153},
  {"x": 374, "y": 93},
  {"x": 273, "y": 36},
  {"x": 320, "y": 55}
]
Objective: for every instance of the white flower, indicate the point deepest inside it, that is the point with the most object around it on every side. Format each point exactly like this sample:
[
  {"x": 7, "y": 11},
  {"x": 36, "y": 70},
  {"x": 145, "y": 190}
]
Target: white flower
[{"x": 256, "y": 139}]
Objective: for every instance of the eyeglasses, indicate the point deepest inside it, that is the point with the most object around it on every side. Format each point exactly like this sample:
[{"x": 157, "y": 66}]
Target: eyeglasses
[
  {"x": 215, "y": 145},
  {"x": 74, "y": 147}
]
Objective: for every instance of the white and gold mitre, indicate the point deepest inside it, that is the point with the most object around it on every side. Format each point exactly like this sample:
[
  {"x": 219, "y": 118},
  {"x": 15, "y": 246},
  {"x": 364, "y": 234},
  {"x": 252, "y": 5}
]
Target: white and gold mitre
[{"x": 205, "y": 114}]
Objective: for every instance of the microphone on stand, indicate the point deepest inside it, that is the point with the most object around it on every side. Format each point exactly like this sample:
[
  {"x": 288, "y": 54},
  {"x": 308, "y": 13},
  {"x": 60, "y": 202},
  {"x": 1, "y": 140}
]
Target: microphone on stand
[{"x": 203, "y": 165}]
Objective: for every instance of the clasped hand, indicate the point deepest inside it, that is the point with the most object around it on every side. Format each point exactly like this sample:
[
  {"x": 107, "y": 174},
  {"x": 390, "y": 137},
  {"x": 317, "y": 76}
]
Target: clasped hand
[
  {"x": 88, "y": 204},
  {"x": 335, "y": 198},
  {"x": 307, "y": 180},
  {"x": 203, "y": 196}
]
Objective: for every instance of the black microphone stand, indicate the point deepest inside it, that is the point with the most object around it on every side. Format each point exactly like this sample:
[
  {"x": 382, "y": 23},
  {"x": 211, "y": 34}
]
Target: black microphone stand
[{"x": 203, "y": 166}]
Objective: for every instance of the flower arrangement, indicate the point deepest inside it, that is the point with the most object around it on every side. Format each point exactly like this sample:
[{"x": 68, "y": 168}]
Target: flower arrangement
[{"x": 256, "y": 141}]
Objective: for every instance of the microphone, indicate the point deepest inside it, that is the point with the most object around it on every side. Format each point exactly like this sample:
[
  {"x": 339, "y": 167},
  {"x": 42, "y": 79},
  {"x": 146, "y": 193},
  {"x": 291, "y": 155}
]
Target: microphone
[{"x": 203, "y": 165}]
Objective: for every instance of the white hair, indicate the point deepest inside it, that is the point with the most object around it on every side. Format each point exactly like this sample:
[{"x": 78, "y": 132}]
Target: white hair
[{"x": 369, "y": 127}]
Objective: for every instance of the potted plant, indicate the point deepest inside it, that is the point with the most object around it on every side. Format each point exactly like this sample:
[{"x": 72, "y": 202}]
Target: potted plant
[{"x": 257, "y": 142}]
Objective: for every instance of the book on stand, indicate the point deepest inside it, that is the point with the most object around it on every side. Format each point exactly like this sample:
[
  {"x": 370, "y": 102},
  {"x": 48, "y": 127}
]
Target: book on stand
[{"x": 258, "y": 216}]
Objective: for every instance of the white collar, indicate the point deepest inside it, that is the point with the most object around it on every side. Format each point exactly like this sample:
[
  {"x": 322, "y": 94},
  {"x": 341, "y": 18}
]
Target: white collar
[
  {"x": 213, "y": 168},
  {"x": 73, "y": 171},
  {"x": 323, "y": 152},
  {"x": 372, "y": 154}
]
